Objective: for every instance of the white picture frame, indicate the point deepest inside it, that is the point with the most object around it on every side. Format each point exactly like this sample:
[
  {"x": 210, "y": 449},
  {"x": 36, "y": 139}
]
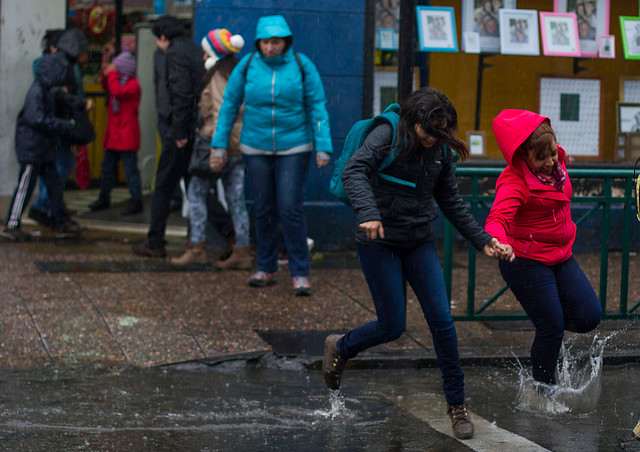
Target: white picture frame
[
  {"x": 559, "y": 34},
  {"x": 436, "y": 29},
  {"x": 471, "y": 41},
  {"x": 519, "y": 32},
  {"x": 385, "y": 86},
  {"x": 628, "y": 117},
  {"x": 607, "y": 46},
  {"x": 592, "y": 20},
  {"x": 574, "y": 105},
  {"x": 480, "y": 17},
  {"x": 387, "y": 39}
]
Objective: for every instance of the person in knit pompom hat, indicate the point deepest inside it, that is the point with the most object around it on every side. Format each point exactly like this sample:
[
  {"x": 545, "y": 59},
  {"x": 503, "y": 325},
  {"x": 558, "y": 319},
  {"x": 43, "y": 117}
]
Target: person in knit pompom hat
[
  {"x": 220, "y": 48},
  {"x": 219, "y": 43},
  {"x": 122, "y": 135}
]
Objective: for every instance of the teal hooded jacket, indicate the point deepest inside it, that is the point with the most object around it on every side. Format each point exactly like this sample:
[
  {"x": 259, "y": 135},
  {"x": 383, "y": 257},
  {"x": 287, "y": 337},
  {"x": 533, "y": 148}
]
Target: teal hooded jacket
[{"x": 282, "y": 113}]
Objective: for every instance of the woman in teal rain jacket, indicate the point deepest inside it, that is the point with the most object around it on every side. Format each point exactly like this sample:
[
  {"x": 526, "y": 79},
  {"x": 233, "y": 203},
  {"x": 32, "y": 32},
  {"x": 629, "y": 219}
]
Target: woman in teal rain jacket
[{"x": 285, "y": 119}]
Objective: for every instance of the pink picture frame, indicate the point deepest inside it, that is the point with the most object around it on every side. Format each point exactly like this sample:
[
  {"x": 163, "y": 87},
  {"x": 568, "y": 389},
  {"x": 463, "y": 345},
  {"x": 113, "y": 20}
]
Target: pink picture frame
[{"x": 559, "y": 34}]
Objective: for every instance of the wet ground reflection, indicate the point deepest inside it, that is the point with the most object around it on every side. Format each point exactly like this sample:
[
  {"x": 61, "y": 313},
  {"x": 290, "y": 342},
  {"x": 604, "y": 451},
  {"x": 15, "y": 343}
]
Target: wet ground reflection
[{"x": 234, "y": 407}]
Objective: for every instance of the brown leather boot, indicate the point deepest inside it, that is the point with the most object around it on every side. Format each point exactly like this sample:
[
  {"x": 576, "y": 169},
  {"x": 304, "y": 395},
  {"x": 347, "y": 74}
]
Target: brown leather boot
[
  {"x": 197, "y": 254},
  {"x": 240, "y": 259},
  {"x": 333, "y": 364},
  {"x": 460, "y": 421}
]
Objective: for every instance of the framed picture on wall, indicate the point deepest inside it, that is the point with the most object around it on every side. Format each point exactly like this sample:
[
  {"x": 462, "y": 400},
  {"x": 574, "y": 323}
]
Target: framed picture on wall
[
  {"x": 387, "y": 39},
  {"x": 559, "y": 34},
  {"x": 630, "y": 30},
  {"x": 483, "y": 17},
  {"x": 630, "y": 89},
  {"x": 477, "y": 141},
  {"x": 436, "y": 29},
  {"x": 607, "y": 47},
  {"x": 574, "y": 105},
  {"x": 592, "y": 17},
  {"x": 628, "y": 117},
  {"x": 385, "y": 86},
  {"x": 519, "y": 32}
]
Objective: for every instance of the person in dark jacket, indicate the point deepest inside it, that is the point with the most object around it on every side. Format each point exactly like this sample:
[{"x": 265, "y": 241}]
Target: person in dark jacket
[
  {"x": 37, "y": 129},
  {"x": 184, "y": 72},
  {"x": 394, "y": 241},
  {"x": 67, "y": 45}
]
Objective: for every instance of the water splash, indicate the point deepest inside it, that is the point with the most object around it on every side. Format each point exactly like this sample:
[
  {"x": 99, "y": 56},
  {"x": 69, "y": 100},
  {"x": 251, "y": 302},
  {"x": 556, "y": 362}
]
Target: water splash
[
  {"x": 337, "y": 407},
  {"x": 578, "y": 382}
]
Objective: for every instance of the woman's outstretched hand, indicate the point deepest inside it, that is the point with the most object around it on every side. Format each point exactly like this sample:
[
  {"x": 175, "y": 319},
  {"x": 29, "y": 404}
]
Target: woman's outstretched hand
[
  {"x": 499, "y": 250},
  {"x": 373, "y": 229}
]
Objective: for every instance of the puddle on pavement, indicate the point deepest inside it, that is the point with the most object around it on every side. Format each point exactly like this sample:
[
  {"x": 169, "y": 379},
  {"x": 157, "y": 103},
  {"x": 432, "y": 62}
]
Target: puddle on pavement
[{"x": 236, "y": 406}]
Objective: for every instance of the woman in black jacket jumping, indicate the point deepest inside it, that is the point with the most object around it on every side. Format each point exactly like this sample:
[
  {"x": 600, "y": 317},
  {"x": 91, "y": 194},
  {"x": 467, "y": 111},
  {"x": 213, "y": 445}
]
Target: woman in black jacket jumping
[{"x": 394, "y": 237}]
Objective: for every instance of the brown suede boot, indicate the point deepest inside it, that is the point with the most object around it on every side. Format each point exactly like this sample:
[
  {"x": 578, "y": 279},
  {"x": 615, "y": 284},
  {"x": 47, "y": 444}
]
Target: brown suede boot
[
  {"x": 460, "y": 421},
  {"x": 197, "y": 254},
  {"x": 240, "y": 259}
]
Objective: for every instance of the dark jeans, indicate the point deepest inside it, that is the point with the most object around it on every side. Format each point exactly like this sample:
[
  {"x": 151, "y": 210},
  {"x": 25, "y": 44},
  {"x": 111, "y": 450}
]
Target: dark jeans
[
  {"x": 65, "y": 164},
  {"x": 385, "y": 268},
  {"x": 109, "y": 168},
  {"x": 29, "y": 174},
  {"x": 556, "y": 298},
  {"x": 277, "y": 188},
  {"x": 172, "y": 165}
]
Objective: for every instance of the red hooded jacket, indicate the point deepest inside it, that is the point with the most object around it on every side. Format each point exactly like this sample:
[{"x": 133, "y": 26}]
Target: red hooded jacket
[
  {"x": 123, "y": 128},
  {"x": 532, "y": 217}
]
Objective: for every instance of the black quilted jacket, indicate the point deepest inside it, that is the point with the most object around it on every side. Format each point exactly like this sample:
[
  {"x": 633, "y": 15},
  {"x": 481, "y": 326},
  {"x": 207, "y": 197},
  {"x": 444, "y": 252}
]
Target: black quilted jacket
[{"x": 406, "y": 212}]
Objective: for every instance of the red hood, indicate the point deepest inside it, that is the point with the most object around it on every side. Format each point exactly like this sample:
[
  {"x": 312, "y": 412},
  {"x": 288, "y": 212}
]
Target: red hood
[{"x": 513, "y": 127}]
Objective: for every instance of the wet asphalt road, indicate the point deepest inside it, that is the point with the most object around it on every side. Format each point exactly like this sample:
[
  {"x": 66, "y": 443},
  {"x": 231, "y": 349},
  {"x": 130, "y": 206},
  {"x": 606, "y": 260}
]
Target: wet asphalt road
[{"x": 263, "y": 407}]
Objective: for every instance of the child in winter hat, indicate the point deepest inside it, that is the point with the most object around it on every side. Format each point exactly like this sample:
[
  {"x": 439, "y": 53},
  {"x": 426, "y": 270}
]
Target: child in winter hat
[
  {"x": 219, "y": 43},
  {"x": 125, "y": 64}
]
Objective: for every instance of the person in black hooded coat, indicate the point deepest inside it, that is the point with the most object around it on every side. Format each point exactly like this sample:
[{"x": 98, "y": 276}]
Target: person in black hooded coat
[{"x": 37, "y": 130}]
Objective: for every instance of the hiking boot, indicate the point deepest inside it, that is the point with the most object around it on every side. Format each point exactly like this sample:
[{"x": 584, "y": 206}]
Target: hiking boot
[
  {"x": 262, "y": 279},
  {"x": 133, "y": 207},
  {"x": 144, "y": 250},
  {"x": 240, "y": 259},
  {"x": 103, "y": 203},
  {"x": 41, "y": 217},
  {"x": 301, "y": 287},
  {"x": 333, "y": 364},
  {"x": 15, "y": 235},
  {"x": 460, "y": 421},
  {"x": 197, "y": 254},
  {"x": 68, "y": 229}
]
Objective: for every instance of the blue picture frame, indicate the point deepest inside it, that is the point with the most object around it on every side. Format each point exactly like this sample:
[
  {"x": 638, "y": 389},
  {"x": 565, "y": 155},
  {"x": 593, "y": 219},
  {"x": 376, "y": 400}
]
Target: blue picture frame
[{"x": 436, "y": 29}]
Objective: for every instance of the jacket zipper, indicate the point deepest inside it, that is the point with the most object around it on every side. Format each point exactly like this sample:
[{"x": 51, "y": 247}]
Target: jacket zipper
[{"x": 273, "y": 111}]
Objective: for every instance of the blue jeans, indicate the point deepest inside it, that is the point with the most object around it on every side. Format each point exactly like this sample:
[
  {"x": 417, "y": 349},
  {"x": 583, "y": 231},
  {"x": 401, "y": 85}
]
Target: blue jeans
[
  {"x": 277, "y": 187},
  {"x": 65, "y": 165},
  {"x": 385, "y": 268},
  {"x": 556, "y": 298},
  {"x": 109, "y": 168}
]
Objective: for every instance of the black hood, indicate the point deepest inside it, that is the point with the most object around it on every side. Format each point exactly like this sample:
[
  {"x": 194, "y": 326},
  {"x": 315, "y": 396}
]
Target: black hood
[
  {"x": 51, "y": 71},
  {"x": 72, "y": 42}
]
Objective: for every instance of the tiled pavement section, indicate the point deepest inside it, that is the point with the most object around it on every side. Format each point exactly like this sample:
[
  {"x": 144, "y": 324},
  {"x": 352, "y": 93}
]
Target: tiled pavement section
[{"x": 96, "y": 311}]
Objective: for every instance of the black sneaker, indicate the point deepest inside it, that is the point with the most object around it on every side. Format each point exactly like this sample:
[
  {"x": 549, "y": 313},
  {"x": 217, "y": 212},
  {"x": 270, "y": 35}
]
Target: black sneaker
[
  {"x": 144, "y": 250},
  {"x": 15, "y": 235},
  {"x": 41, "y": 217},
  {"x": 133, "y": 207},
  {"x": 102, "y": 203},
  {"x": 69, "y": 229}
]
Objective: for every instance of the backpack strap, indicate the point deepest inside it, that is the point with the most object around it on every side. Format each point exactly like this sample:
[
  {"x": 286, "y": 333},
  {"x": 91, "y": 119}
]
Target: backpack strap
[{"x": 246, "y": 67}]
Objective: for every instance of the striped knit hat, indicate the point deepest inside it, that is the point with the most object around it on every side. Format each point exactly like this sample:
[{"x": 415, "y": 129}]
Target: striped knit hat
[
  {"x": 125, "y": 64},
  {"x": 219, "y": 43}
]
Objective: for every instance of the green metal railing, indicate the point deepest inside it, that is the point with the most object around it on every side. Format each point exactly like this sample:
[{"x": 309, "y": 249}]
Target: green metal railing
[{"x": 604, "y": 201}]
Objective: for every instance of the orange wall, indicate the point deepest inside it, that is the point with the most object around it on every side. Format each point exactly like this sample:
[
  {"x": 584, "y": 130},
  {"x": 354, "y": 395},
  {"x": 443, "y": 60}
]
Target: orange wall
[{"x": 512, "y": 80}]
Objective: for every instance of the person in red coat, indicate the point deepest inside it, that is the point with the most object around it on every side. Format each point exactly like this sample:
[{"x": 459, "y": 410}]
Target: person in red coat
[
  {"x": 122, "y": 135},
  {"x": 531, "y": 216}
]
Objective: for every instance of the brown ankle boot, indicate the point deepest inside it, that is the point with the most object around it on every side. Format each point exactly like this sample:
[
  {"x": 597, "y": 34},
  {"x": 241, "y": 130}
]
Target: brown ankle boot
[
  {"x": 197, "y": 254},
  {"x": 240, "y": 259},
  {"x": 460, "y": 421}
]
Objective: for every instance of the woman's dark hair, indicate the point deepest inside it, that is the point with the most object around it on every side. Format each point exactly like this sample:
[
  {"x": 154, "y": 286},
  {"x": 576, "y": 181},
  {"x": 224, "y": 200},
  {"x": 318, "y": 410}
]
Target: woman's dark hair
[
  {"x": 288, "y": 42},
  {"x": 541, "y": 139},
  {"x": 169, "y": 26},
  {"x": 224, "y": 65},
  {"x": 430, "y": 107}
]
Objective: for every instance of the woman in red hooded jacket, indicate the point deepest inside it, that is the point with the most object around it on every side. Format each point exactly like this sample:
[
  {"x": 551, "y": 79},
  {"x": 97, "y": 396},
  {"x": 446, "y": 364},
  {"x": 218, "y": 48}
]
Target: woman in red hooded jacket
[{"x": 531, "y": 214}]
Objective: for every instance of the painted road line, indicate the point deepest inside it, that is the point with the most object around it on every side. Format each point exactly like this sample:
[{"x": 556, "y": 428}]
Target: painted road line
[{"x": 431, "y": 409}]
